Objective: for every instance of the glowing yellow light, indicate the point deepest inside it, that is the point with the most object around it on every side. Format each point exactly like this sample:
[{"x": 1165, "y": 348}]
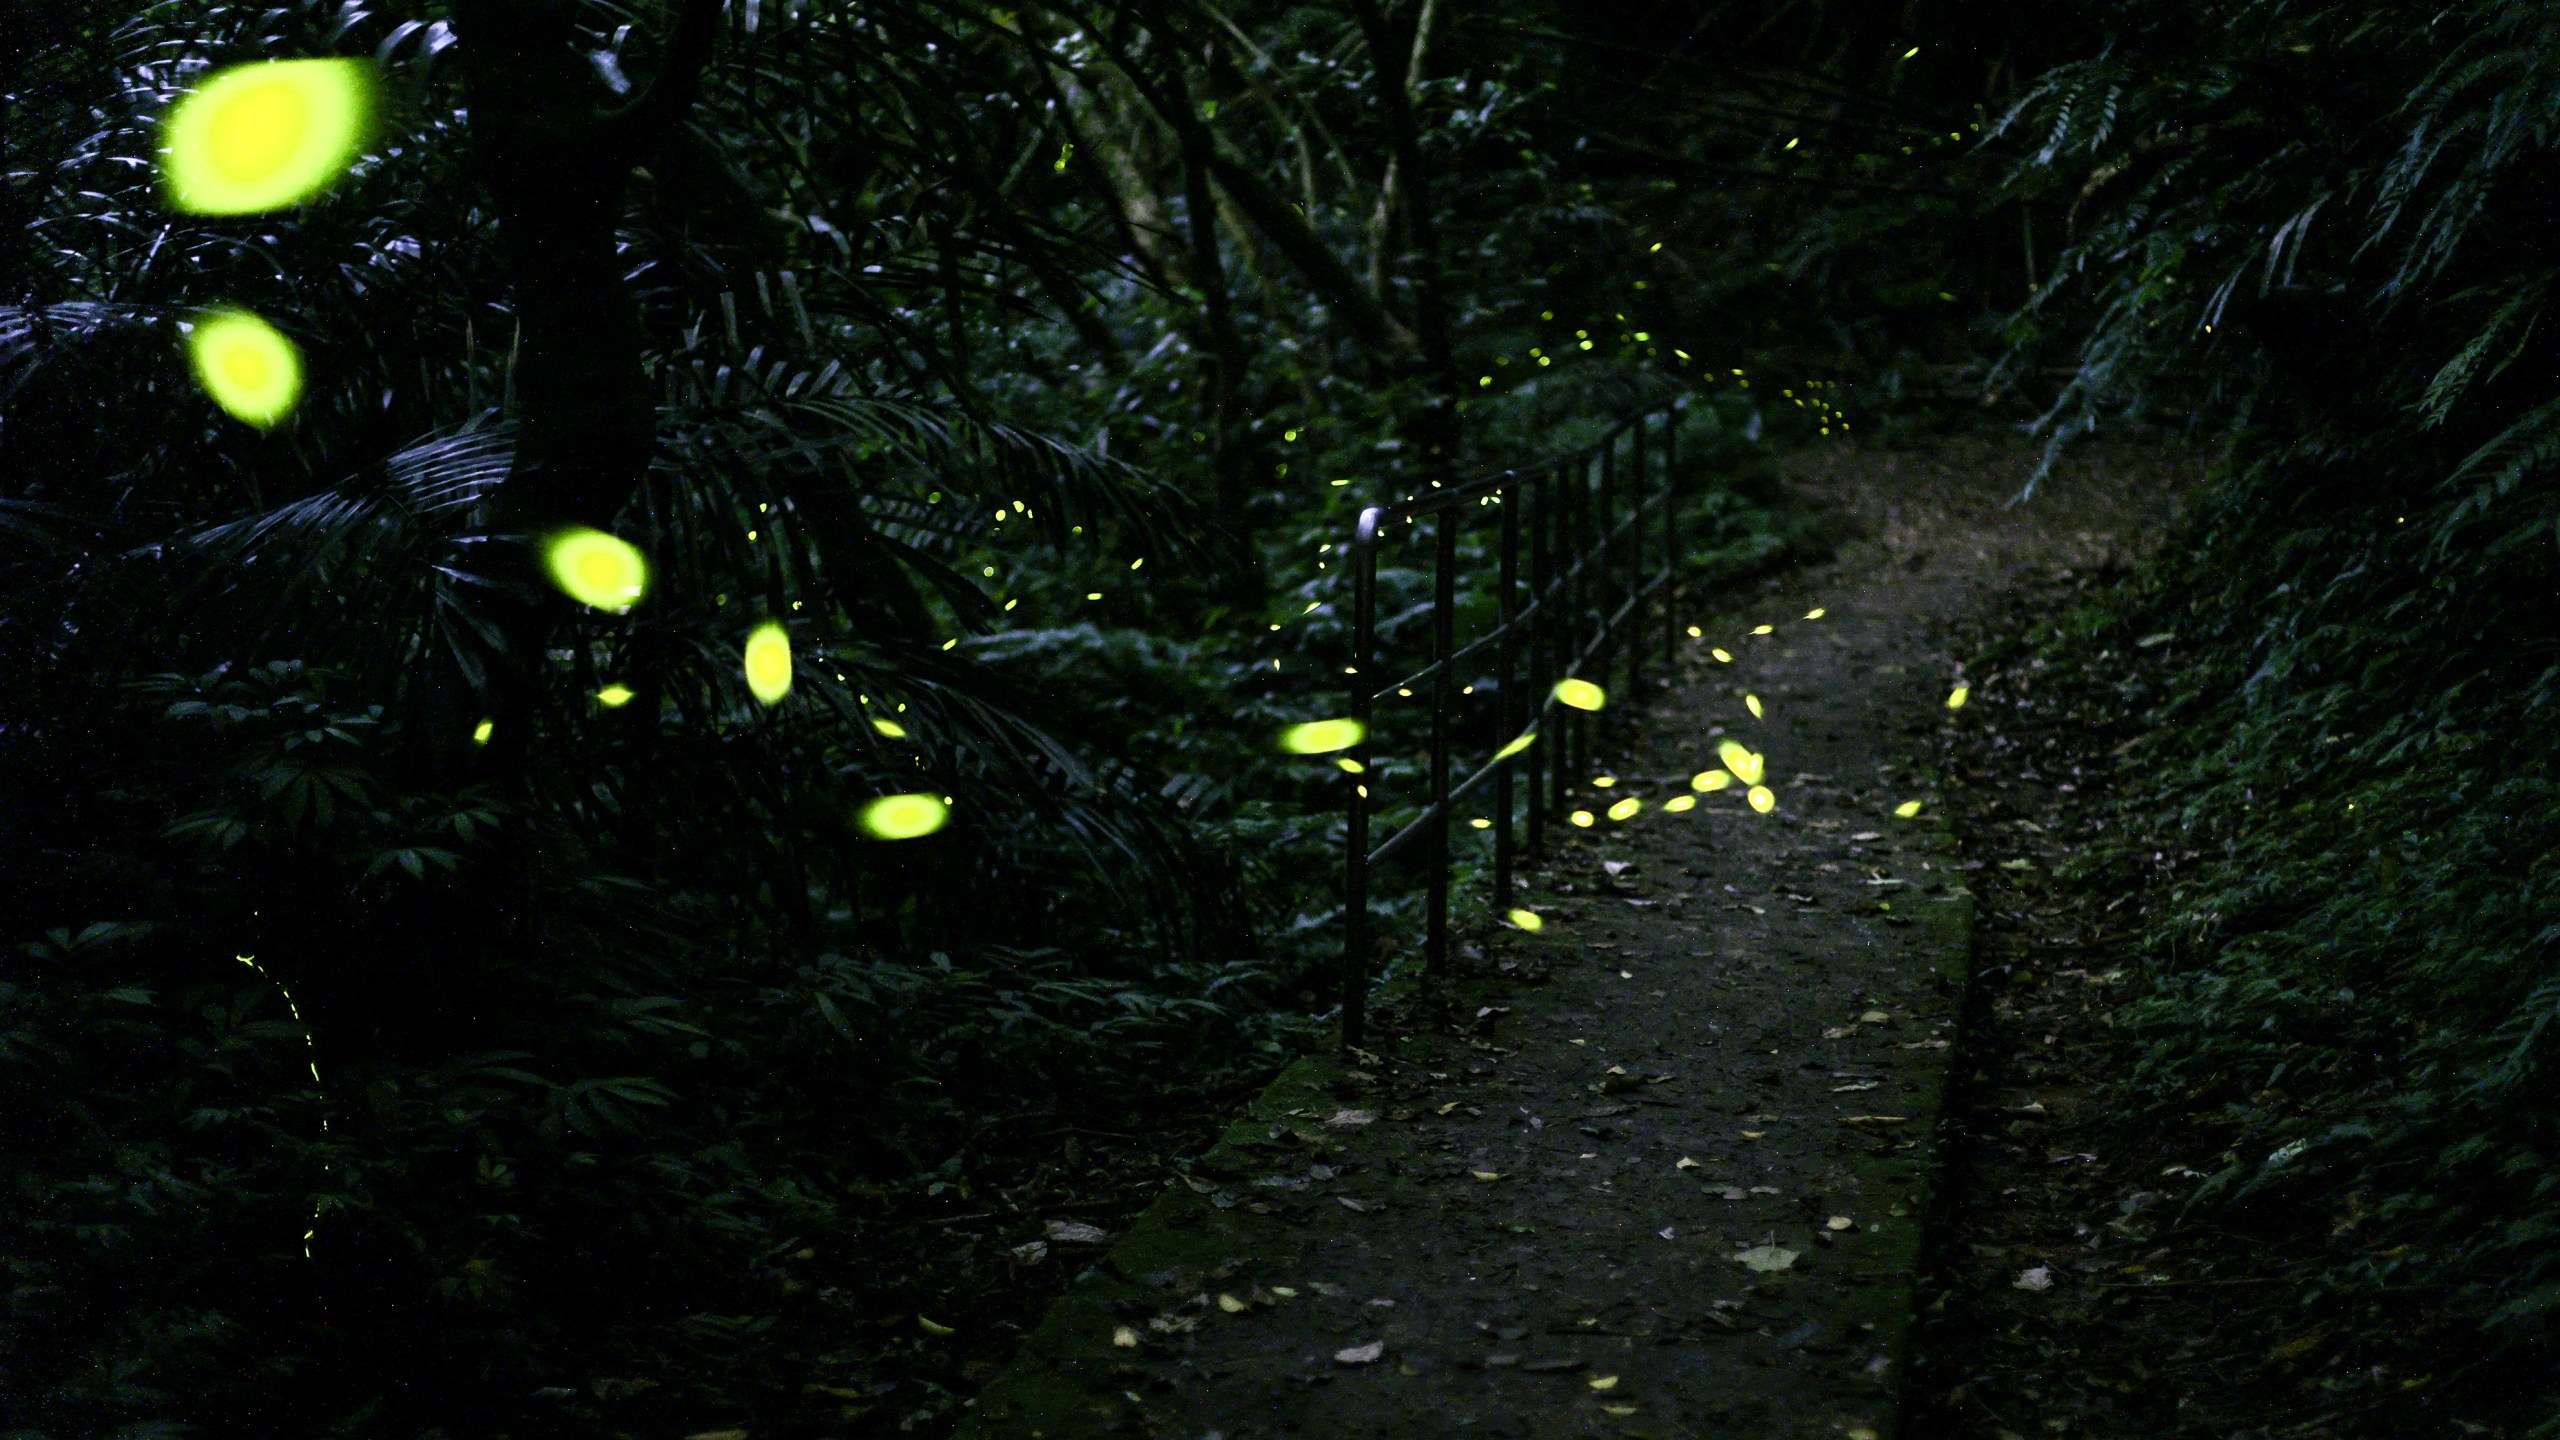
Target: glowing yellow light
[
  {"x": 1319, "y": 737},
  {"x": 1718, "y": 652},
  {"x": 1348, "y": 765},
  {"x": 1956, "y": 697},
  {"x": 1096, "y": 595},
  {"x": 1529, "y": 920},
  {"x": 768, "y": 662},
  {"x": 1762, "y": 629},
  {"x": 1141, "y": 560},
  {"x": 889, "y": 727},
  {"x": 1696, "y": 633},
  {"x": 1739, "y": 759},
  {"x": 1907, "y": 809},
  {"x": 1626, "y": 808},
  {"x": 904, "y": 817},
  {"x": 1581, "y": 818},
  {"x": 1481, "y": 823},
  {"x": 1678, "y": 803},
  {"x": 264, "y": 135},
  {"x": 1914, "y": 50},
  {"x": 1752, "y": 704},
  {"x": 1603, "y": 782},
  {"x": 614, "y": 697},
  {"x": 1581, "y": 694},
  {"x": 1762, "y": 800},
  {"x": 246, "y": 365},
  {"x": 1709, "y": 780},
  {"x": 1520, "y": 742},
  {"x": 481, "y": 732},
  {"x": 594, "y": 568},
  {"x": 1815, "y": 613}
]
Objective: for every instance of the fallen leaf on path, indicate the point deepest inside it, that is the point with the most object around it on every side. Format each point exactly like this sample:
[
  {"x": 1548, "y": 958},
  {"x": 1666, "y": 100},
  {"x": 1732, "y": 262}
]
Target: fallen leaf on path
[
  {"x": 1840, "y": 1222},
  {"x": 1855, "y": 1085},
  {"x": 1285, "y": 1292},
  {"x": 1617, "y": 1409},
  {"x": 1357, "y": 1207},
  {"x": 1076, "y": 1232},
  {"x": 1485, "y": 1174},
  {"x": 1445, "y": 1109},
  {"x": 1755, "y": 1134},
  {"x": 1232, "y": 1305},
  {"x": 1616, "y": 867},
  {"x": 1873, "y": 1119},
  {"x": 1604, "y": 1382},
  {"x": 932, "y": 1329},
  {"x": 1351, "y": 1117},
  {"x": 1767, "y": 1258},
  {"x": 1198, "y": 1185},
  {"x": 1838, "y": 1032},
  {"x": 1361, "y": 1354},
  {"x": 1665, "y": 1232},
  {"x": 1031, "y": 1252},
  {"x": 2020, "y": 864},
  {"x": 2040, "y": 1278},
  {"x": 1686, "y": 1164},
  {"x": 1874, "y": 1017}
]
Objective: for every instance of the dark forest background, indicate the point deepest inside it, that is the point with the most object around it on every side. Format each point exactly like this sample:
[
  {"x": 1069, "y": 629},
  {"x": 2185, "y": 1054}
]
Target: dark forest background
[{"x": 1028, "y": 362}]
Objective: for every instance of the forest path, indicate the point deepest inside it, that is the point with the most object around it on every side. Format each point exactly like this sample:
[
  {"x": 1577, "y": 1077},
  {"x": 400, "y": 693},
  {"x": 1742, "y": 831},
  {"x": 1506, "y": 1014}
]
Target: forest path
[{"x": 1657, "y": 1170}]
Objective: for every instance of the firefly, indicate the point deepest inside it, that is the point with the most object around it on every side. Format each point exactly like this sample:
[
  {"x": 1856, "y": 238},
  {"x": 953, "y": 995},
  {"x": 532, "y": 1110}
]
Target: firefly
[
  {"x": 1907, "y": 809},
  {"x": 904, "y": 817},
  {"x": 1752, "y": 704},
  {"x": 1581, "y": 819},
  {"x": 1318, "y": 737},
  {"x": 614, "y": 697},
  {"x": 1679, "y": 803},
  {"x": 1581, "y": 694},
  {"x": 1708, "y": 781},
  {"x": 264, "y": 135},
  {"x": 1744, "y": 764},
  {"x": 1529, "y": 920},
  {"x": 1956, "y": 697},
  {"x": 1762, "y": 800},
  {"x": 1625, "y": 809},
  {"x": 768, "y": 662},
  {"x": 594, "y": 568}
]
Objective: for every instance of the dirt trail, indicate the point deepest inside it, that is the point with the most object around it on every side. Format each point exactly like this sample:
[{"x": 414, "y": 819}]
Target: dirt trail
[{"x": 1539, "y": 1213}]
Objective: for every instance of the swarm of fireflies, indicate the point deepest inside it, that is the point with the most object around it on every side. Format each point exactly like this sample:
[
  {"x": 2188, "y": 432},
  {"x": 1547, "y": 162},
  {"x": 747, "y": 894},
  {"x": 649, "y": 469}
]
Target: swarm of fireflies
[
  {"x": 1678, "y": 803},
  {"x": 1762, "y": 799},
  {"x": 1907, "y": 809},
  {"x": 1625, "y": 809},
  {"x": 1528, "y": 920},
  {"x": 1581, "y": 694},
  {"x": 768, "y": 662},
  {"x": 903, "y": 817},
  {"x": 246, "y": 365},
  {"x": 1956, "y": 697},
  {"x": 1739, "y": 759},
  {"x": 1321, "y": 737},
  {"x": 265, "y": 135},
  {"x": 594, "y": 568}
]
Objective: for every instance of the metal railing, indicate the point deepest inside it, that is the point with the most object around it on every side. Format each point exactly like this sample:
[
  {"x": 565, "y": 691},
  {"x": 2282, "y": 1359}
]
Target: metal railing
[{"x": 1591, "y": 578}]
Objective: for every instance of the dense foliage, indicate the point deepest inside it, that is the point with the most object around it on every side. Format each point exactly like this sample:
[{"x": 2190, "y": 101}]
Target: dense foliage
[
  {"x": 401, "y": 1037},
  {"x": 2335, "y": 213}
]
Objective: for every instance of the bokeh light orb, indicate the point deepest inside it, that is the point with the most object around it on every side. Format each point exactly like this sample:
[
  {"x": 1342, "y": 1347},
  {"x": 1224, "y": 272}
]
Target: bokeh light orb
[
  {"x": 594, "y": 568},
  {"x": 246, "y": 365},
  {"x": 768, "y": 662},
  {"x": 1581, "y": 694},
  {"x": 265, "y": 135},
  {"x": 903, "y": 817},
  {"x": 1321, "y": 737}
]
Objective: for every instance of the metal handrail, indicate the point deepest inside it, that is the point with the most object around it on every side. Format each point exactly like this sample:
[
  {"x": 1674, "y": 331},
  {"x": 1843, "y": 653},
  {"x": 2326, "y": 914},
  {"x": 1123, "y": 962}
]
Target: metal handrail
[{"x": 1577, "y": 603}]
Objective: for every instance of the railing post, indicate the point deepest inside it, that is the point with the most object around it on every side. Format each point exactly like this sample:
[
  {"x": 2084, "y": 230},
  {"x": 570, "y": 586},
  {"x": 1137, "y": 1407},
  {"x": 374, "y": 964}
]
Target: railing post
[
  {"x": 1444, "y": 580},
  {"x": 1355, "y": 883},
  {"x": 1507, "y": 696},
  {"x": 1670, "y": 536},
  {"x": 1542, "y": 674},
  {"x": 1637, "y": 626}
]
